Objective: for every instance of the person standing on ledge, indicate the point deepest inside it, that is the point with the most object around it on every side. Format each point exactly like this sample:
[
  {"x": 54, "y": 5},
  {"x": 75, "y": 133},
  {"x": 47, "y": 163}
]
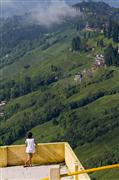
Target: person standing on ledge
[{"x": 30, "y": 149}]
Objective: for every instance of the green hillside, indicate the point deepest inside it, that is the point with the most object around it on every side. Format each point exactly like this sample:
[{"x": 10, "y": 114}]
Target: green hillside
[
  {"x": 37, "y": 83},
  {"x": 94, "y": 102},
  {"x": 100, "y": 148}
]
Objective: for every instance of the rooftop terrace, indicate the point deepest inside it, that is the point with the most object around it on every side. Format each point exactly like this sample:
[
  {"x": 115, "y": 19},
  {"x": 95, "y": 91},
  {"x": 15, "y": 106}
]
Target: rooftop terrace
[
  {"x": 48, "y": 158},
  {"x": 30, "y": 173}
]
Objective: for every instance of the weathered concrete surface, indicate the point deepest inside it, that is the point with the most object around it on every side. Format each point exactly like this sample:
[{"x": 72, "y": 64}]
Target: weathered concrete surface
[
  {"x": 21, "y": 173},
  {"x": 32, "y": 173},
  {"x": 29, "y": 173}
]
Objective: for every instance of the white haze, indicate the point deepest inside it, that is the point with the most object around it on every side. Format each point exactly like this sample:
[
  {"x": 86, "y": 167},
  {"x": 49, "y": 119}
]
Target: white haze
[{"x": 54, "y": 13}]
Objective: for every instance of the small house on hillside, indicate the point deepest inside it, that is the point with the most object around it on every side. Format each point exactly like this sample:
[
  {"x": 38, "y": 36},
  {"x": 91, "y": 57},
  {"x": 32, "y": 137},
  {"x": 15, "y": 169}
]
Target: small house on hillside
[
  {"x": 89, "y": 29},
  {"x": 78, "y": 78},
  {"x": 2, "y": 103},
  {"x": 99, "y": 60}
]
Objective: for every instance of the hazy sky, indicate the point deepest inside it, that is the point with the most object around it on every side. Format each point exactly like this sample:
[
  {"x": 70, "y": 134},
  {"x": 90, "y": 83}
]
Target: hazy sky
[{"x": 11, "y": 7}]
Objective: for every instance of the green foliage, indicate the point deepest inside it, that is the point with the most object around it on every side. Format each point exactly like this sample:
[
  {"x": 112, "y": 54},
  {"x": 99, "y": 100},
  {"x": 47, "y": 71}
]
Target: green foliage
[
  {"x": 100, "y": 43},
  {"x": 103, "y": 151},
  {"x": 76, "y": 44},
  {"x": 111, "y": 56},
  {"x": 43, "y": 97},
  {"x": 112, "y": 31}
]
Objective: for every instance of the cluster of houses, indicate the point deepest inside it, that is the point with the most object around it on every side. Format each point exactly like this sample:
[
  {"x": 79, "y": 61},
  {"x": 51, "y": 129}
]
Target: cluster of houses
[
  {"x": 2, "y": 104},
  {"x": 99, "y": 62},
  {"x": 88, "y": 28},
  {"x": 88, "y": 73}
]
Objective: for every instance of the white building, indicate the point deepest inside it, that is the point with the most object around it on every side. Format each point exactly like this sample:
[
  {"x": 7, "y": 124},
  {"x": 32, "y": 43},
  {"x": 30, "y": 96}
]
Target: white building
[{"x": 78, "y": 78}]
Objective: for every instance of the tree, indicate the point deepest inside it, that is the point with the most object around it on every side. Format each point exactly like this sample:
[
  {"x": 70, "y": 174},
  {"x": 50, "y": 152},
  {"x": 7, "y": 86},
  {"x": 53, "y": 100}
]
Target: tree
[
  {"x": 109, "y": 29},
  {"x": 115, "y": 32},
  {"x": 76, "y": 43},
  {"x": 111, "y": 56}
]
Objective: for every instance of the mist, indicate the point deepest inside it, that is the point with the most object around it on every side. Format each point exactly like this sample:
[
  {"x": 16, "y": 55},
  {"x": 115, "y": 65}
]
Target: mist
[{"x": 54, "y": 13}]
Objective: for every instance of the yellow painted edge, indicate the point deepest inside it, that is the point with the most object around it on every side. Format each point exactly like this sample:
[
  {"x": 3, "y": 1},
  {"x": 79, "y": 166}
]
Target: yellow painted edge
[
  {"x": 92, "y": 170},
  {"x": 88, "y": 171}
]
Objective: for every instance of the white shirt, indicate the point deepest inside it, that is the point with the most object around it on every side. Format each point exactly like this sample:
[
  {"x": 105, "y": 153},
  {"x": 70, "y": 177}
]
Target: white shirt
[{"x": 30, "y": 145}]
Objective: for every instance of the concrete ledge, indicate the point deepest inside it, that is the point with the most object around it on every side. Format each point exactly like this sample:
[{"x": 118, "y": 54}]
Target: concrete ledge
[
  {"x": 3, "y": 156},
  {"x": 47, "y": 153},
  {"x": 55, "y": 173},
  {"x": 73, "y": 163}
]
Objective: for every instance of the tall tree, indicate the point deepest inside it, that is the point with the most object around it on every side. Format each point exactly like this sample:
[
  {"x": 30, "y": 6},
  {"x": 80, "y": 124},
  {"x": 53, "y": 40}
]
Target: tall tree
[
  {"x": 76, "y": 43},
  {"x": 115, "y": 32}
]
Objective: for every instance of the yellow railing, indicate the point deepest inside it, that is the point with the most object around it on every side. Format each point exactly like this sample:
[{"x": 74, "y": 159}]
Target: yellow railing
[
  {"x": 92, "y": 170},
  {"x": 89, "y": 170}
]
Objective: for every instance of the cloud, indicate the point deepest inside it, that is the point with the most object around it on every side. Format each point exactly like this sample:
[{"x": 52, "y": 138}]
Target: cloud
[
  {"x": 47, "y": 12},
  {"x": 54, "y": 13}
]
